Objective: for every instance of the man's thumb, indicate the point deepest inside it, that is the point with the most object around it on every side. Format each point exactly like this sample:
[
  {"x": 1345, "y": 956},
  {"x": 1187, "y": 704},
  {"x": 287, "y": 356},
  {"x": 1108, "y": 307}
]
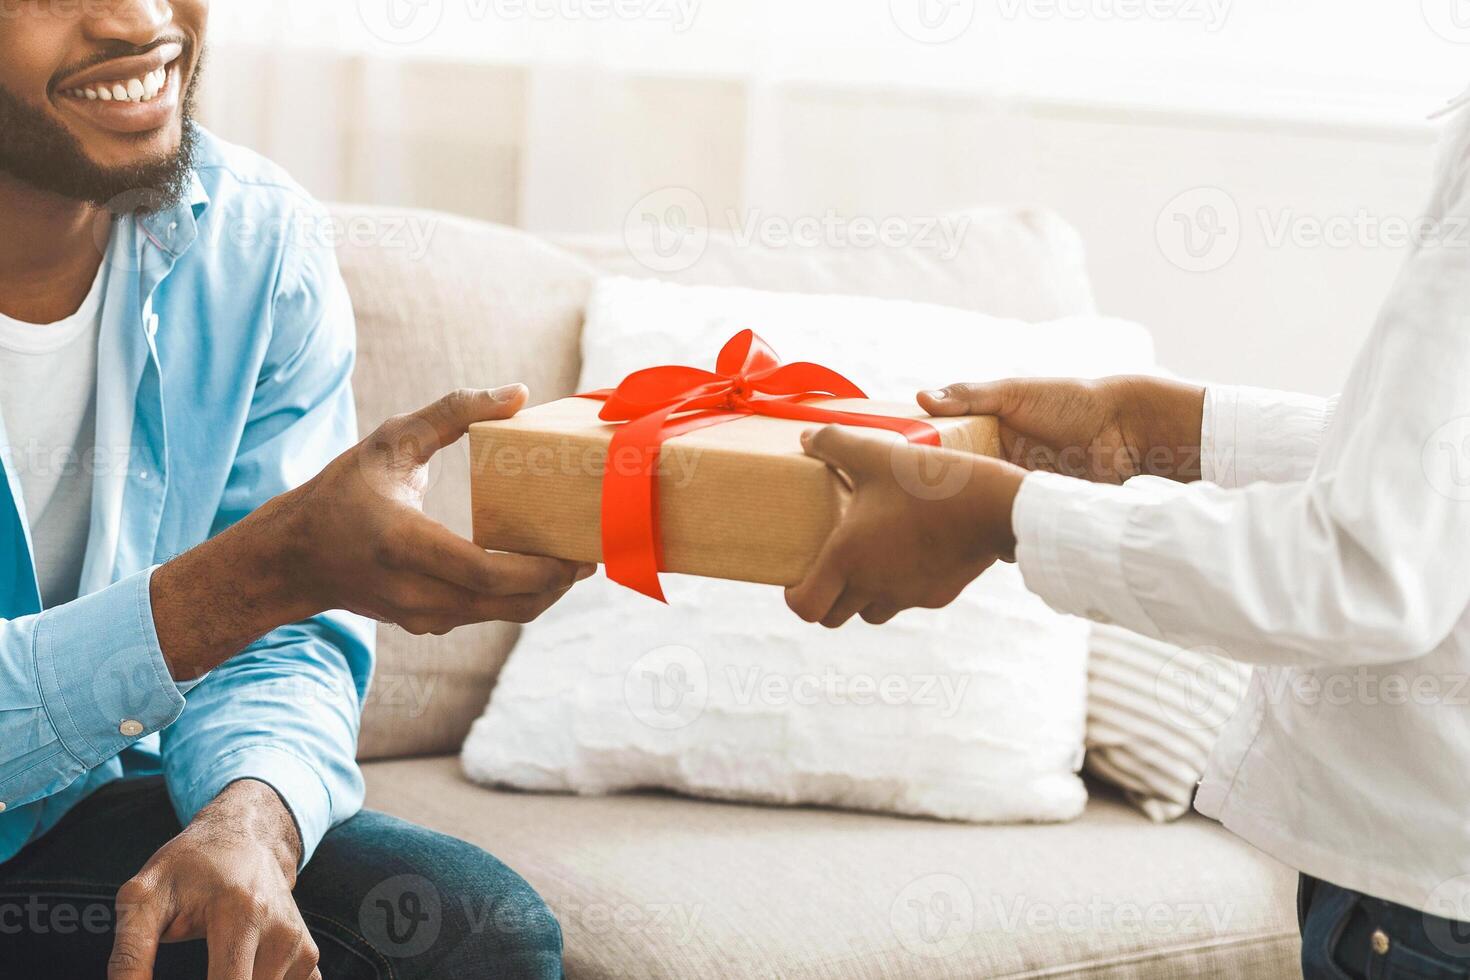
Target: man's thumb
[{"x": 449, "y": 418}]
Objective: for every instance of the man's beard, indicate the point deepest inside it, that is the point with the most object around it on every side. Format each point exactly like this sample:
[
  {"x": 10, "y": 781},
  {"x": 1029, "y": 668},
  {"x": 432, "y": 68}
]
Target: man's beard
[{"x": 41, "y": 152}]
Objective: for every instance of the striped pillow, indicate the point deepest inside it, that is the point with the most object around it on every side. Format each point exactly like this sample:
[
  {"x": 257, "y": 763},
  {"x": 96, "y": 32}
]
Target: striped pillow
[{"x": 1153, "y": 714}]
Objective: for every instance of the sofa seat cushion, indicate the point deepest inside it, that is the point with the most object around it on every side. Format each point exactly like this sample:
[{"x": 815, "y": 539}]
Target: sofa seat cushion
[{"x": 652, "y": 886}]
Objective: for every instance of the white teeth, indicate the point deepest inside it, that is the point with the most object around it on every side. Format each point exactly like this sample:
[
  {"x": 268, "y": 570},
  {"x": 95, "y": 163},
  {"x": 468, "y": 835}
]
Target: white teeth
[{"x": 144, "y": 89}]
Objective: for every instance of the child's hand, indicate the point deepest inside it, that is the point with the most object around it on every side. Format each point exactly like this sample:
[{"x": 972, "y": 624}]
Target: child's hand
[
  {"x": 922, "y": 524},
  {"x": 1106, "y": 431}
]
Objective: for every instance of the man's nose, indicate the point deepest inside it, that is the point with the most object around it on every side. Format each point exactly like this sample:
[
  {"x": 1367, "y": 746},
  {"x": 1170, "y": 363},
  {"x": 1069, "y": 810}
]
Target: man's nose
[{"x": 137, "y": 22}]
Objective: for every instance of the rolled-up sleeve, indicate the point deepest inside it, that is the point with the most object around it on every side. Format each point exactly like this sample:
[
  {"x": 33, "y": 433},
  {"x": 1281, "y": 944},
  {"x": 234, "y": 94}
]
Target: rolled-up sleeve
[
  {"x": 1255, "y": 435},
  {"x": 82, "y": 682},
  {"x": 286, "y": 711}
]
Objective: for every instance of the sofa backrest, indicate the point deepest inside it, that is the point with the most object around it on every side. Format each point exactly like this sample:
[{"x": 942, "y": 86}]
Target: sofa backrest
[{"x": 446, "y": 302}]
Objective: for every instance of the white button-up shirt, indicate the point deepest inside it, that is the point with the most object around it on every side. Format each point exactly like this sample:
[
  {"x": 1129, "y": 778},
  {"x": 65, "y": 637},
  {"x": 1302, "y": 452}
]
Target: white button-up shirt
[{"x": 1330, "y": 546}]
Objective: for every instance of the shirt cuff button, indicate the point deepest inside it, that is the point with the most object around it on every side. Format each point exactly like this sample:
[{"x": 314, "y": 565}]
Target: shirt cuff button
[{"x": 131, "y": 728}]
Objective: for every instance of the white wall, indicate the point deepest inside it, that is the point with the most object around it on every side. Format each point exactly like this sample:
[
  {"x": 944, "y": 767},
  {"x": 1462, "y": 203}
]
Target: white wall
[{"x": 572, "y": 149}]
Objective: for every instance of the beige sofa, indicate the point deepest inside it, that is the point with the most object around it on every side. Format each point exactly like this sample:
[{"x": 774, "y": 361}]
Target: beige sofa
[{"x": 652, "y": 886}]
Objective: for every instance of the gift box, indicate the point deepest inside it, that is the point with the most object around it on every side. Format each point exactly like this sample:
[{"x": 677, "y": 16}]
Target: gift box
[{"x": 681, "y": 470}]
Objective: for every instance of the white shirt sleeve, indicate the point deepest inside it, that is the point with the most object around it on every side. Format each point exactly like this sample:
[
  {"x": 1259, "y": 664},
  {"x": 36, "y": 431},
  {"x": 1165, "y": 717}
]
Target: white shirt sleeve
[
  {"x": 1253, "y": 435},
  {"x": 1359, "y": 561}
]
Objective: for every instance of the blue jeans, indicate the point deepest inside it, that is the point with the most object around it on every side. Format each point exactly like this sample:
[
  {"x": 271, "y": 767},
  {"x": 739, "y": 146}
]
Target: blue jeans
[
  {"x": 382, "y": 898},
  {"x": 1347, "y": 935}
]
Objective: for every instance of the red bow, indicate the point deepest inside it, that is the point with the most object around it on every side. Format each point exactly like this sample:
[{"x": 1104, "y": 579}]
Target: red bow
[{"x": 748, "y": 380}]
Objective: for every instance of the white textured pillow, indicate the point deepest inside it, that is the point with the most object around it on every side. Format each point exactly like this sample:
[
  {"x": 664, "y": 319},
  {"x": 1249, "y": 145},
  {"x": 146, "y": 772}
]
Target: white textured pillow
[
  {"x": 974, "y": 712},
  {"x": 1154, "y": 713}
]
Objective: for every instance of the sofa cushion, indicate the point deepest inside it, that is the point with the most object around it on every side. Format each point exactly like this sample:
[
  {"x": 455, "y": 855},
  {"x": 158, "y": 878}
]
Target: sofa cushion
[
  {"x": 1020, "y": 263},
  {"x": 443, "y": 303},
  {"x": 657, "y": 887}
]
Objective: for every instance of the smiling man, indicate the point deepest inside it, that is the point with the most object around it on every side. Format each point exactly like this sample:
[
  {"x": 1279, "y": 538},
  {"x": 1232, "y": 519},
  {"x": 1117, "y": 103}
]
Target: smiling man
[{"x": 178, "y": 791}]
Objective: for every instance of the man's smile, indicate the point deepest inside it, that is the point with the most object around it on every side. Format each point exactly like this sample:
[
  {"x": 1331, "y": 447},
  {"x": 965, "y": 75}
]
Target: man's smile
[{"x": 126, "y": 95}]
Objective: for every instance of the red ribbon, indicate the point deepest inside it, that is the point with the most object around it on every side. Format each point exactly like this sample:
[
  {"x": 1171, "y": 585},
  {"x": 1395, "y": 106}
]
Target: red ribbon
[{"x": 748, "y": 380}]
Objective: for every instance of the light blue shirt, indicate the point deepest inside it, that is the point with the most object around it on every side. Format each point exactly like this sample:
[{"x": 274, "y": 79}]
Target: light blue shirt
[{"x": 224, "y": 379}]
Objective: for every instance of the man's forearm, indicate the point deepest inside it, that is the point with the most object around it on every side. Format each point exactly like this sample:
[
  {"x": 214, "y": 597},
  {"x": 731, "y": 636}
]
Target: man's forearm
[{"x": 215, "y": 600}]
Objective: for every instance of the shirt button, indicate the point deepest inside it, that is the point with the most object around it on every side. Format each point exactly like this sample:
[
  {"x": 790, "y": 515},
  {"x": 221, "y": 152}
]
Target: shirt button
[
  {"x": 131, "y": 728},
  {"x": 2, "y": 807},
  {"x": 1380, "y": 942},
  {"x": 143, "y": 475}
]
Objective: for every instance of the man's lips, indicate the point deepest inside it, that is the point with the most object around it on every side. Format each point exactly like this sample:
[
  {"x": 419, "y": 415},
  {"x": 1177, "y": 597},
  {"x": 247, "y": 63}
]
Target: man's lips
[
  {"x": 122, "y": 69},
  {"x": 150, "y": 103}
]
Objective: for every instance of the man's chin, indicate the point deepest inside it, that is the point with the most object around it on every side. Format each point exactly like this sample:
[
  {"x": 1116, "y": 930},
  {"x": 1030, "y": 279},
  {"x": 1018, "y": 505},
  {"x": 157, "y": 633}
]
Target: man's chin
[{"x": 122, "y": 172}]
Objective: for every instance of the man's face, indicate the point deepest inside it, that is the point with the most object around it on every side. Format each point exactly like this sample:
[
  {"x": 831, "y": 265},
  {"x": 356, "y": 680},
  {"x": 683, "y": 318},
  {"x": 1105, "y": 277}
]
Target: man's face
[{"x": 96, "y": 97}]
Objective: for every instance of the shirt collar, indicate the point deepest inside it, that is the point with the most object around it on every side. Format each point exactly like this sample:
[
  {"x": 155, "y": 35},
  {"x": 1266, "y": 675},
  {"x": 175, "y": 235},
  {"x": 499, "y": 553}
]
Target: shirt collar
[{"x": 174, "y": 229}]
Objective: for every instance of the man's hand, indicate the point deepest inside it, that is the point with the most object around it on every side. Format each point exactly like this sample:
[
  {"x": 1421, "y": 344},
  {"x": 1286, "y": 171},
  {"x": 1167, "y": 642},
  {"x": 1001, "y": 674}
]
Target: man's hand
[
  {"x": 354, "y": 538},
  {"x": 1106, "y": 431},
  {"x": 226, "y": 879},
  {"x": 922, "y": 524}
]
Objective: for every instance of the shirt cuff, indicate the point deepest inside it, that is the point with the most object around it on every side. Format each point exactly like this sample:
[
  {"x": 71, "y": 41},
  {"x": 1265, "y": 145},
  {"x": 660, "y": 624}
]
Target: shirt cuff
[
  {"x": 1254, "y": 435},
  {"x": 104, "y": 682},
  {"x": 1069, "y": 546},
  {"x": 305, "y": 794}
]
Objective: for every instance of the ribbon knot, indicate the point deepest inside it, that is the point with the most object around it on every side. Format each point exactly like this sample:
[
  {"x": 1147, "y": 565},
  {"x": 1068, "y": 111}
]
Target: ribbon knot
[{"x": 662, "y": 403}]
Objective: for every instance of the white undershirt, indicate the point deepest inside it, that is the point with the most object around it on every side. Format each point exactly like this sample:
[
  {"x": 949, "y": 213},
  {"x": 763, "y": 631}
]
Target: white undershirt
[{"x": 48, "y": 400}]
